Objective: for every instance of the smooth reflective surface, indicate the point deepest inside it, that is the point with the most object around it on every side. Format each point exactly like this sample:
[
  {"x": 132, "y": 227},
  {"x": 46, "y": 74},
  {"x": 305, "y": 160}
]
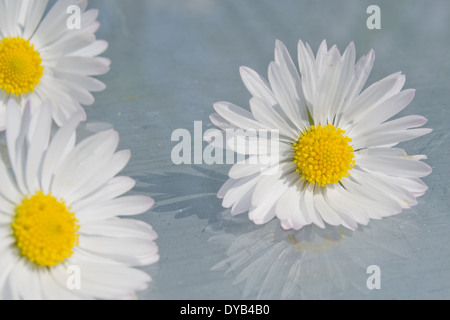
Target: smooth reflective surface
[{"x": 172, "y": 59}]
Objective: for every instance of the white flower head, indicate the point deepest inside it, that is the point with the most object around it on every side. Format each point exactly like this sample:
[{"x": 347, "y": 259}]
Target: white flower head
[
  {"x": 42, "y": 59},
  {"x": 61, "y": 236},
  {"x": 336, "y": 162}
]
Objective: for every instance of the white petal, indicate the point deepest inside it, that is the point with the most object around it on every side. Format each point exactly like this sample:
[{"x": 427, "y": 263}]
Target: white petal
[
  {"x": 395, "y": 166},
  {"x": 225, "y": 187},
  {"x": 83, "y": 161},
  {"x": 114, "y": 188},
  {"x": 132, "y": 252},
  {"x": 267, "y": 115},
  {"x": 54, "y": 25},
  {"x": 388, "y": 138},
  {"x": 123, "y": 206},
  {"x": 257, "y": 86},
  {"x": 291, "y": 102},
  {"x": 56, "y": 285},
  {"x": 97, "y": 178},
  {"x": 268, "y": 183},
  {"x": 66, "y": 44},
  {"x": 288, "y": 207},
  {"x": 220, "y": 122},
  {"x": 83, "y": 65},
  {"x": 253, "y": 164},
  {"x": 385, "y": 110},
  {"x": 240, "y": 187},
  {"x": 308, "y": 70},
  {"x": 370, "y": 98},
  {"x": 82, "y": 81},
  {"x": 63, "y": 139},
  {"x": 346, "y": 78},
  {"x": 362, "y": 71},
  {"x": 375, "y": 183},
  {"x": 263, "y": 209},
  {"x": 244, "y": 203},
  {"x": 7, "y": 264},
  {"x": 8, "y": 188},
  {"x": 38, "y": 136},
  {"x": 402, "y": 123},
  {"x": 105, "y": 279},
  {"x": 34, "y": 14},
  {"x": 308, "y": 207},
  {"x": 347, "y": 205},
  {"x": 329, "y": 215},
  {"x": 119, "y": 228},
  {"x": 237, "y": 116},
  {"x": 94, "y": 49},
  {"x": 16, "y": 141}
]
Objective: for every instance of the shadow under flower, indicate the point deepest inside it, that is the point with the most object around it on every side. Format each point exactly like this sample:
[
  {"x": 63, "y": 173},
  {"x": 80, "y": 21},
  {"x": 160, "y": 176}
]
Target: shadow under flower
[
  {"x": 311, "y": 263},
  {"x": 187, "y": 194}
]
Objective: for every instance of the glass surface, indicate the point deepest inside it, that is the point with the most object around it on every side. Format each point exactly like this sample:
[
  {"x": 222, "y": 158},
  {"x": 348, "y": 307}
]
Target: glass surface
[{"x": 172, "y": 59}]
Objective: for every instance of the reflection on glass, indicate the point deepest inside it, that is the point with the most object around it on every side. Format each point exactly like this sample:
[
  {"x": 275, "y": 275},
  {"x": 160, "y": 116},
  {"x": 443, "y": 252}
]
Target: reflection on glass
[{"x": 312, "y": 263}]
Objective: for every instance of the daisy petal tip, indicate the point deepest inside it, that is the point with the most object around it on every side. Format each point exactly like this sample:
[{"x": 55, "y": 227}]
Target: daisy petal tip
[
  {"x": 320, "y": 224},
  {"x": 279, "y": 45},
  {"x": 212, "y": 117},
  {"x": 287, "y": 225},
  {"x": 242, "y": 68},
  {"x": 428, "y": 170},
  {"x": 112, "y": 133},
  {"x": 371, "y": 56},
  {"x": 243, "y": 71},
  {"x": 147, "y": 203},
  {"x": 425, "y": 131},
  {"x": 257, "y": 221},
  {"x": 95, "y": 12},
  {"x": 221, "y": 106},
  {"x": 225, "y": 203}
]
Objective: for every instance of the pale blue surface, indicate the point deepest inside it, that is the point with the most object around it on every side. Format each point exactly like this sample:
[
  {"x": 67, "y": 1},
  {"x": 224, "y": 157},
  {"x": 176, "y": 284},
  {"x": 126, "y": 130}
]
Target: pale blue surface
[{"x": 172, "y": 59}]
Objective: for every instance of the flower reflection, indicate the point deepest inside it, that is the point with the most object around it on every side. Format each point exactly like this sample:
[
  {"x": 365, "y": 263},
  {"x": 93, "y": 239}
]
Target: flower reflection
[{"x": 311, "y": 263}]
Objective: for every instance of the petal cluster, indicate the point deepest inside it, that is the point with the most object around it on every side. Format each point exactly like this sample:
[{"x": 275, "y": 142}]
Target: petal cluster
[
  {"x": 326, "y": 89},
  {"x": 69, "y": 57},
  {"x": 85, "y": 176}
]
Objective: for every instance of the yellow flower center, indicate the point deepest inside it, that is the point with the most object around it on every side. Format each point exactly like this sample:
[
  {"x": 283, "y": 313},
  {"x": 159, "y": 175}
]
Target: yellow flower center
[
  {"x": 45, "y": 230},
  {"x": 324, "y": 155},
  {"x": 20, "y": 66}
]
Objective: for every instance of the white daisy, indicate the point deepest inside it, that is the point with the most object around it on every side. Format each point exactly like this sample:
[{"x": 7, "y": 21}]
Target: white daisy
[
  {"x": 60, "y": 232},
  {"x": 336, "y": 160},
  {"x": 41, "y": 58}
]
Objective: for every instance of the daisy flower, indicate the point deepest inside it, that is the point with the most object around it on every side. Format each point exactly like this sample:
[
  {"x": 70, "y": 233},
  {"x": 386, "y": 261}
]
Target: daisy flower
[
  {"x": 336, "y": 161},
  {"x": 42, "y": 59},
  {"x": 60, "y": 232}
]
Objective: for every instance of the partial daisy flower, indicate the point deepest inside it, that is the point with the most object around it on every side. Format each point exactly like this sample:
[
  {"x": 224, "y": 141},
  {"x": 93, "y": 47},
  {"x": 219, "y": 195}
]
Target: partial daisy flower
[
  {"x": 61, "y": 236},
  {"x": 336, "y": 162},
  {"x": 46, "y": 58}
]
